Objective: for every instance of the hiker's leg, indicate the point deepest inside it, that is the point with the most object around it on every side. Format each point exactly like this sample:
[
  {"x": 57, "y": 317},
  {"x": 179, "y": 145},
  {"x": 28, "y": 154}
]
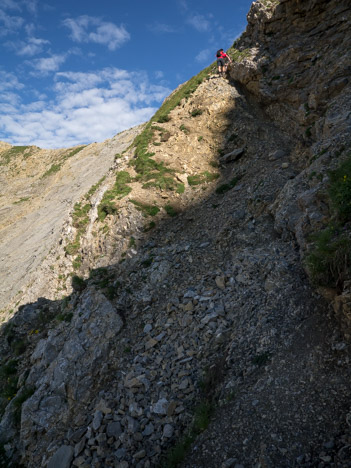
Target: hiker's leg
[{"x": 220, "y": 64}]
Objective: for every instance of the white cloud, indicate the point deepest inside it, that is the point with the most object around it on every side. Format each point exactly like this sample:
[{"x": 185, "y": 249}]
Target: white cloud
[
  {"x": 91, "y": 29},
  {"x": 204, "y": 56},
  {"x": 183, "y": 5},
  {"x": 32, "y": 46},
  {"x": 31, "y": 5},
  {"x": 9, "y": 81},
  {"x": 86, "y": 107},
  {"x": 199, "y": 22},
  {"x": 10, "y": 4},
  {"x": 10, "y": 24},
  {"x": 47, "y": 65},
  {"x": 161, "y": 28}
]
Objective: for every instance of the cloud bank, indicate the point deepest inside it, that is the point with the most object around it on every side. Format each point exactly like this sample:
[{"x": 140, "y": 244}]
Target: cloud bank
[
  {"x": 90, "y": 29},
  {"x": 86, "y": 107}
]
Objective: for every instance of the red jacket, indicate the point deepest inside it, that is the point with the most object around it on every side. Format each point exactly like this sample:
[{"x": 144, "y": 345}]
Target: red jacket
[{"x": 223, "y": 55}]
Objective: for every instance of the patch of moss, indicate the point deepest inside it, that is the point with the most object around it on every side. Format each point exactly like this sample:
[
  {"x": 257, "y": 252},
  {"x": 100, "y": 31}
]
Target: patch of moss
[
  {"x": 146, "y": 209},
  {"x": 170, "y": 210},
  {"x": 75, "y": 151},
  {"x": 118, "y": 191},
  {"x": 94, "y": 187},
  {"x": 11, "y": 153},
  {"x": 203, "y": 178},
  {"x": 196, "y": 112},
  {"x": 21, "y": 200},
  {"x": 53, "y": 169},
  {"x": 78, "y": 284},
  {"x": 226, "y": 187},
  {"x": 184, "y": 129},
  {"x": 329, "y": 259}
]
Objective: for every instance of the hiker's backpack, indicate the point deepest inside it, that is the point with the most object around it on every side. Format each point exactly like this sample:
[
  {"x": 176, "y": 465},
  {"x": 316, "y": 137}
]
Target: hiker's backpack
[{"x": 219, "y": 53}]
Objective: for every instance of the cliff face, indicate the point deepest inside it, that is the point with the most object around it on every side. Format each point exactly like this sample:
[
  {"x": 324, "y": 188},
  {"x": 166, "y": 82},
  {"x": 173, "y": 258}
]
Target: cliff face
[{"x": 190, "y": 297}]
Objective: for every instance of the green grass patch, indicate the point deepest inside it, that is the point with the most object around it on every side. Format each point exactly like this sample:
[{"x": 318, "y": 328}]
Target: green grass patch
[
  {"x": 53, "y": 169},
  {"x": 170, "y": 210},
  {"x": 94, "y": 188},
  {"x": 201, "y": 420},
  {"x": 180, "y": 188},
  {"x": 203, "y": 178},
  {"x": 196, "y": 112},
  {"x": 163, "y": 119},
  {"x": 146, "y": 209},
  {"x": 57, "y": 166},
  {"x": 340, "y": 190},
  {"x": 77, "y": 262},
  {"x": 329, "y": 259},
  {"x": 146, "y": 263},
  {"x": 8, "y": 379},
  {"x": 149, "y": 226},
  {"x": 226, "y": 187},
  {"x": 238, "y": 55},
  {"x": 78, "y": 283},
  {"x": 80, "y": 215},
  {"x": 21, "y": 200},
  {"x": 118, "y": 191},
  {"x": 184, "y": 129},
  {"x": 73, "y": 247},
  {"x": 13, "y": 152},
  {"x": 233, "y": 137},
  {"x": 75, "y": 151}
]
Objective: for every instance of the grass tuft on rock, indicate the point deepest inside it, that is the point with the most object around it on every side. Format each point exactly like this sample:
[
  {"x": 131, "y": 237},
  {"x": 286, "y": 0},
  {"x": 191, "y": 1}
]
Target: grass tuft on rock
[{"x": 329, "y": 259}]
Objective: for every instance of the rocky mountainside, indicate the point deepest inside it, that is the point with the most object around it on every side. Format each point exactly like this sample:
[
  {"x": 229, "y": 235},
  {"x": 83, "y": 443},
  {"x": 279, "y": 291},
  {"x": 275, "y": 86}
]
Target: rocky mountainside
[{"x": 193, "y": 305}]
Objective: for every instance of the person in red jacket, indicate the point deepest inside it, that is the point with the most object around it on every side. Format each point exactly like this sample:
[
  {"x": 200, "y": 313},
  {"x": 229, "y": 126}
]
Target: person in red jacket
[{"x": 222, "y": 62}]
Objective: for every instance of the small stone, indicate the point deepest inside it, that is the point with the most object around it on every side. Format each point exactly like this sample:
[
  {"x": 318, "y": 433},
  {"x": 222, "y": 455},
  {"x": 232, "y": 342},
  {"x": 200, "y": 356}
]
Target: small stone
[
  {"x": 160, "y": 407},
  {"x": 189, "y": 307},
  {"x": 140, "y": 454},
  {"x": 220, "y": 282},
  {"x": 171, "y": 408},
  {"x": 150, "y": 344},
  {"x": 184, "y": 384},
  {"x": 62, "y": 458},
  {"x": 149, "y": 429},
  {"x": 233, "y": 156},
  {"x": 79, "y": 447},
  {"x": 168, "y": 431},
  {"x": 285, "y": 165},
  {"x": 79, "y": 461},
  {"x": 147, "y": 328},
  {"x": 123, "y": 464},
  {"x": 120, "y": 453},
  {"x": 97, "y": 420}
]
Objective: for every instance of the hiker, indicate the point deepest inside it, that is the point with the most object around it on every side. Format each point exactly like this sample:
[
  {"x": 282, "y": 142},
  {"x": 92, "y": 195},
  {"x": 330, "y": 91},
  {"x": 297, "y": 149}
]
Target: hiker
[{"x": 222, "y": 62}]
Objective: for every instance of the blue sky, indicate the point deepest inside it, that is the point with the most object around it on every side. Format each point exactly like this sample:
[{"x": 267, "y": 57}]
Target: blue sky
[{"x": 75, "y": 71}]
